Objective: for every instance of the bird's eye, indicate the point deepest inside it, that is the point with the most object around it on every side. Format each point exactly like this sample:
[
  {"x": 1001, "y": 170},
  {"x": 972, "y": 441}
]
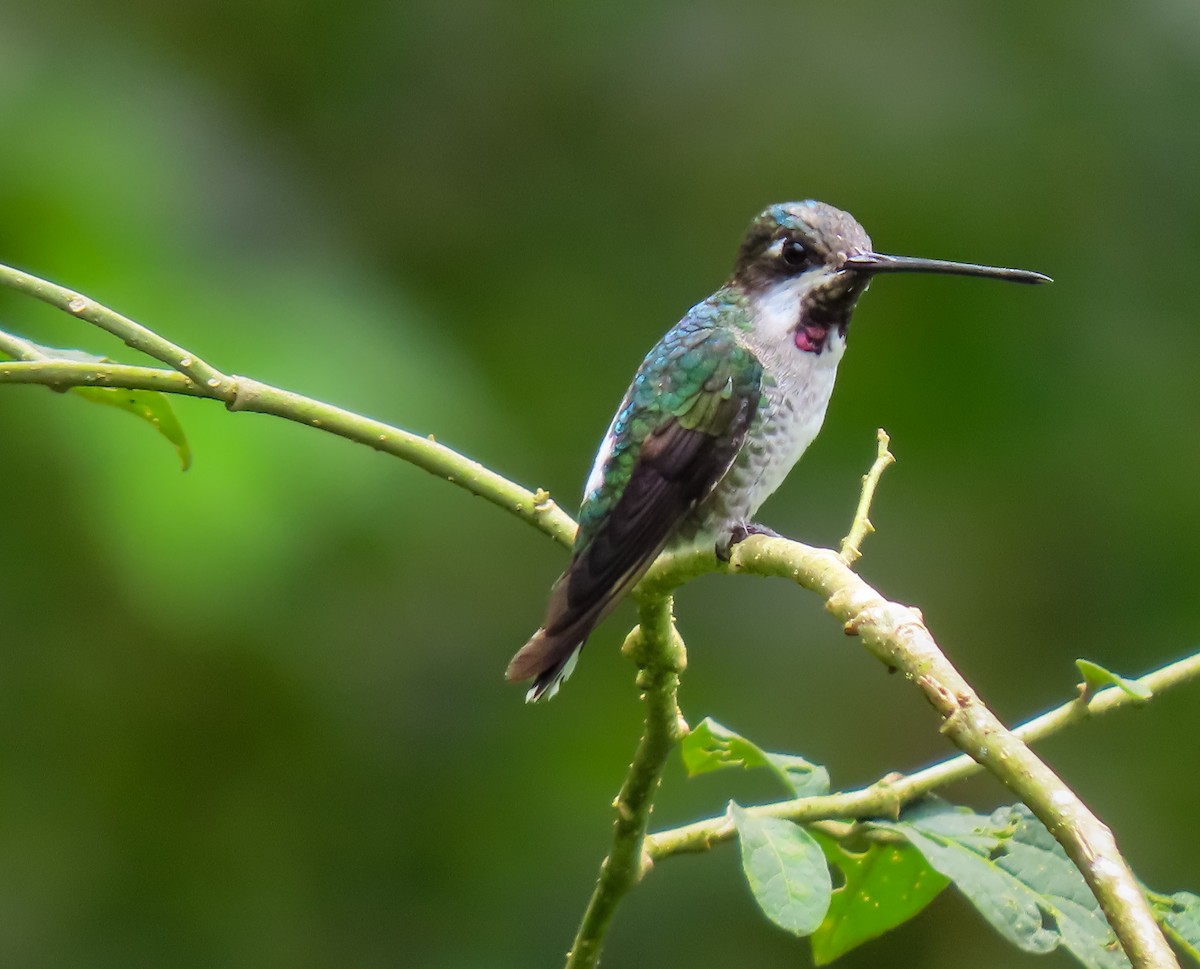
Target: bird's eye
[{"x": 796, "y": 255}]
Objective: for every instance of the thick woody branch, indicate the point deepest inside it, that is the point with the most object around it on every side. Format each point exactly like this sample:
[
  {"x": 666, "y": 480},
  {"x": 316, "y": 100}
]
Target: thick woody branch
[{"x": 896, "y": 635}]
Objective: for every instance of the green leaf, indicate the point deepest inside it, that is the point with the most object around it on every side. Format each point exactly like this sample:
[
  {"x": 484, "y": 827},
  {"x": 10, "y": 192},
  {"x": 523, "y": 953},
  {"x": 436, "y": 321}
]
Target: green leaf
[
  {"x": 1096, "y": 677},
  {"x": 711, "y": 746},
  {"x": 785, "y": 869},
  {"x": 149, "y": 405},
  {"x": 1036, "y": 859},
  {"x": 883, "y": 887},
  {"x": 957, "y": 842},
  {"x": 1018, "y": 877},
  {"x": 1180, "y": 917}
]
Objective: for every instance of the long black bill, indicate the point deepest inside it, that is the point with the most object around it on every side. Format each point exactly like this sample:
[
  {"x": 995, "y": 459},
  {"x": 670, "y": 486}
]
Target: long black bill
[{"x": 877, "y": 262}]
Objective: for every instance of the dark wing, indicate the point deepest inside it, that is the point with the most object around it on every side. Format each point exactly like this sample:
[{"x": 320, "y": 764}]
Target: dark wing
[{"x": 672, "y": 467}]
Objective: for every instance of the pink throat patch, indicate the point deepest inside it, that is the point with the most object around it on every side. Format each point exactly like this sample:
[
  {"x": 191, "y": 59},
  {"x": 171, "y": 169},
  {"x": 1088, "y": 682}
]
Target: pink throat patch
[{"x": 811, "y": 338}]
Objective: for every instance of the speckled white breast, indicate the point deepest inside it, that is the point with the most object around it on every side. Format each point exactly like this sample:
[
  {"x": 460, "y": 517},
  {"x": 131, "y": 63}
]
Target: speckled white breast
[{"x": 797, "y": 387}]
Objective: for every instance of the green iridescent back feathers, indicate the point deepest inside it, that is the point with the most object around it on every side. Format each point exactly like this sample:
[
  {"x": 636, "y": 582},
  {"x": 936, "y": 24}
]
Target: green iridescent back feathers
[{"x": 698, "y": 375}]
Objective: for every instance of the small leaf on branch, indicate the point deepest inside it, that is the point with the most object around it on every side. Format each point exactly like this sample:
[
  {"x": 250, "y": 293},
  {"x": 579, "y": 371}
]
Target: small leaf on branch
[
  {"x": 711, "y": 746},
  {"x": 148, "y": 405},
  {"x": 1096, "y": 677},
  {"x": 786, "y": 871},
  {"x": 883, "y": 887}
]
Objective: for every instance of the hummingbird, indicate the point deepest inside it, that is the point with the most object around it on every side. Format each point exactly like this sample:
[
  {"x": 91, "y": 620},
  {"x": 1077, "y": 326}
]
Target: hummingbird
[{"x": 718, "y": 413}]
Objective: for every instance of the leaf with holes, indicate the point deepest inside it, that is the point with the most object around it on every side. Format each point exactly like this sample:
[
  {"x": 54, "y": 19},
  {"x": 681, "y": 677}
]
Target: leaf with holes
[
  {"x": 786, "y": 871},
  {"x": 1036, "y": 859},
  {"x": 1018, "y": 877}
]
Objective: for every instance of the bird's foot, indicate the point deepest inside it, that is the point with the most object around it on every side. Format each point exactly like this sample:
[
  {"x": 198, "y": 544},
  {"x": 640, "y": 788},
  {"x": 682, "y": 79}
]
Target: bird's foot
[{"x": 739, "y": 533}]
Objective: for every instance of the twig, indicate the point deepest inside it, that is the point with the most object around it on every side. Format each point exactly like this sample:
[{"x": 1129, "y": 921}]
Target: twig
[
  {"x": 861, "y": 526},
  {"x": 19, "y": 349},
  {"x": 885, "y": 797},
  {"x": 59, "y": 374},
  {"x": 659, "y": 652},
  {"x": 134, "y": 334}
]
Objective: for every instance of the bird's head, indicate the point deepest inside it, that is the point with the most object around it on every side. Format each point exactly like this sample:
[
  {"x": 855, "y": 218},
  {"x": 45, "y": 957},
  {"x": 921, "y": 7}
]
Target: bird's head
[{"x": 804, "y": 265}]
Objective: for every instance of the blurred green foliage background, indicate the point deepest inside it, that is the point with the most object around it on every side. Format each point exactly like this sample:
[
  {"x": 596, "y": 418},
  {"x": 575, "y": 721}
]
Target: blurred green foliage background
[{"x": 254, "y": 715}]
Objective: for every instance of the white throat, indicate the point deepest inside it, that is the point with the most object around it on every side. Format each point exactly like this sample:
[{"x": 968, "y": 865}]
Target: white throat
[{"x": 773, "y": 335}]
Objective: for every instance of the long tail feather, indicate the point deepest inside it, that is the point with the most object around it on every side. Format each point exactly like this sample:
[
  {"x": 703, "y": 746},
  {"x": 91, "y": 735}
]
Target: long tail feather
[
  {"x": 549, "y": 658},
  {"x": 551, "y": 653}
]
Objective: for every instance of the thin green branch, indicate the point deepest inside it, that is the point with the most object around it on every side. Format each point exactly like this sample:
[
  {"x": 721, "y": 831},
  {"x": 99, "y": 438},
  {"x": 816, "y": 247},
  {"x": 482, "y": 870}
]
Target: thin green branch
[
  {"x": 18, "y": 349},
  {"x": 861, "y": 526},
  {"x": 659, "y": 652},
  {"x": 193, "y": 377},
  {"x": 896, "y": 635},
  {"x": 133, "y": 334},
  {"x": 59, "y": 374},
  {"x": 885, "y": 797}
]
